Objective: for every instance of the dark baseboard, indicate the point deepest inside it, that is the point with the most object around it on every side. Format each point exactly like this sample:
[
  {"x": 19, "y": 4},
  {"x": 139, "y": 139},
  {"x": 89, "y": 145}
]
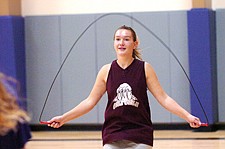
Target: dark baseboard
[{"x": 156, "y": 126}]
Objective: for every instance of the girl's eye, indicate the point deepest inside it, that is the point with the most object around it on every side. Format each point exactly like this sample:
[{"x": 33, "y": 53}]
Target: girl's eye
[{"x": 124, "y": 39}]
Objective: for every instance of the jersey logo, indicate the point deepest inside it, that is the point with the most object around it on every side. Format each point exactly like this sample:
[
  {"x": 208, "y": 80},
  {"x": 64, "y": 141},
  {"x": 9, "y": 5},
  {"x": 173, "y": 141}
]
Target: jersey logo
[{"x": 125, "y": 97}]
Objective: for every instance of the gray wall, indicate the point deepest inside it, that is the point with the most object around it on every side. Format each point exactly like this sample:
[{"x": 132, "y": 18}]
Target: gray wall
[
  {"x": 43, "y": 58},
  {"x": 220, "y": 26},
  {"x": 49, "y": 38}
]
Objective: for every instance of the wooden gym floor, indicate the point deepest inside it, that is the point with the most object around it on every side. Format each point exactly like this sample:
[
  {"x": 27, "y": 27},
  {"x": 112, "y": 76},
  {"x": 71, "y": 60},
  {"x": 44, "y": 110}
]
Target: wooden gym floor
[{"x": 171, "y": 139}]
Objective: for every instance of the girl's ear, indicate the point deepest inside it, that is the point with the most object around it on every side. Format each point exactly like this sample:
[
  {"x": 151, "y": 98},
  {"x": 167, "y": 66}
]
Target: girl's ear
[{"x": 137, "y": 42}]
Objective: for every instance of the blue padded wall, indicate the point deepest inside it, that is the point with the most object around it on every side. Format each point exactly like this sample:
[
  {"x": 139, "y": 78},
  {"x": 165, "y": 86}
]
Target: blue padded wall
[
  {"x": 12, "y": 49},
  {"x": 202, "y": 62}
]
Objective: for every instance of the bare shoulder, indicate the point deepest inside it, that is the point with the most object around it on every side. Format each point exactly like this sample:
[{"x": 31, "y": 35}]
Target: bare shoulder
[
  {"x": 147, "y": 65},
  {"x": 149, "y": 70},
  {"x": 105, "y": 68},
  {"x": 104, "y": 71}
]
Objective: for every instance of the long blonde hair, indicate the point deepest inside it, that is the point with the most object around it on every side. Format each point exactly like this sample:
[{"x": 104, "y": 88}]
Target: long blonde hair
[
  {"x": 10, "y": 112},
  {"x": 136, "y": 51}
]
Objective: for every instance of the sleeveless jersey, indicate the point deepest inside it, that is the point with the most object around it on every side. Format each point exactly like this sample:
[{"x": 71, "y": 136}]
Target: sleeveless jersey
[{"x": 127, "y": 115}]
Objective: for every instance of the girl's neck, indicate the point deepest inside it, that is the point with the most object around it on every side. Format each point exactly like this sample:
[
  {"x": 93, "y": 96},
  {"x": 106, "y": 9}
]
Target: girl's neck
[{"x": 124, "y": 62}]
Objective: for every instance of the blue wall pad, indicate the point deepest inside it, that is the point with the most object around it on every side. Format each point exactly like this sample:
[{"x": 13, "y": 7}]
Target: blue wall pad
[
  {"x": 202, "y": 62},
  {"x": 12, "y": 47}
]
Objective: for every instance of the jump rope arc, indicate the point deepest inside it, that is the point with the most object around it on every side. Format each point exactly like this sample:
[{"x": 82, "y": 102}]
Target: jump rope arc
[{"x": 148, "y": 30}]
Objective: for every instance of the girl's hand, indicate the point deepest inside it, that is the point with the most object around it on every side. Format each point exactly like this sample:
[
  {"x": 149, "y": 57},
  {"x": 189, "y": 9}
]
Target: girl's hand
[
  {"x": 193, "y": 121},
  {"x": 56, "y": 122}
]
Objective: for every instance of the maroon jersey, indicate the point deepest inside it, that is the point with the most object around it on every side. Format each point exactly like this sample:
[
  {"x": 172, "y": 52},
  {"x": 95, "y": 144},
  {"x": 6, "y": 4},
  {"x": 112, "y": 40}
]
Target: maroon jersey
[{"x": 127, "y": 115}]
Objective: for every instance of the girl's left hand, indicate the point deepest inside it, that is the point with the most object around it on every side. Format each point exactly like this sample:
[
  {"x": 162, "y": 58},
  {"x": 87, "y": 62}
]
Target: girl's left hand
[{"x": 194, "y": 122}]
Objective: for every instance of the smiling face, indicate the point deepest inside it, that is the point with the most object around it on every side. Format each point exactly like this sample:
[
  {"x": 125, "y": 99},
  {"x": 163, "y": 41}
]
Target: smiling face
[{"x": 124, "y": 43}]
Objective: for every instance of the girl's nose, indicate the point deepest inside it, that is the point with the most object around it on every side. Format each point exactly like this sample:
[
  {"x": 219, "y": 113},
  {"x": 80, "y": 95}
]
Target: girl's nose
[{"x": 121, "y": 42}]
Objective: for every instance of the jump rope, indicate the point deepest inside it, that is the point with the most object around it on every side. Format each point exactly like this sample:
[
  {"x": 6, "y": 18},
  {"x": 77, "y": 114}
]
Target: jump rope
[{"x": 149, "y": 31}]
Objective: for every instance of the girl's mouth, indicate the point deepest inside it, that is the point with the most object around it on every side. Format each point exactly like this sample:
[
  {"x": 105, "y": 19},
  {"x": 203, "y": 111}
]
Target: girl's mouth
[{"x": 122, "y": 49}]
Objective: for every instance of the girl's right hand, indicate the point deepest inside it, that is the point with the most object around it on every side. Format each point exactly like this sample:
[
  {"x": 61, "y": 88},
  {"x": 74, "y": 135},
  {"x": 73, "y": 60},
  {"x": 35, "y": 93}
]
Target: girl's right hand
[{"x": 56, "y": 122}]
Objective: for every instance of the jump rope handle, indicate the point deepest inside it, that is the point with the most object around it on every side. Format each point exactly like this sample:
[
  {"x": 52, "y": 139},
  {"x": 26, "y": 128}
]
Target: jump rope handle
[
  {"x": 44, "y": 122},
  {"x": 204, "y": 124}
]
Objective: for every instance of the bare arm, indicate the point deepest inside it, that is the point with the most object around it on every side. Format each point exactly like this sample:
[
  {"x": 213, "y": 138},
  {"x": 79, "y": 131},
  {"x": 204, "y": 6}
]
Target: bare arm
[
  {"x": 86, "y": 105},
  {"x": 166, "y": 101}
]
